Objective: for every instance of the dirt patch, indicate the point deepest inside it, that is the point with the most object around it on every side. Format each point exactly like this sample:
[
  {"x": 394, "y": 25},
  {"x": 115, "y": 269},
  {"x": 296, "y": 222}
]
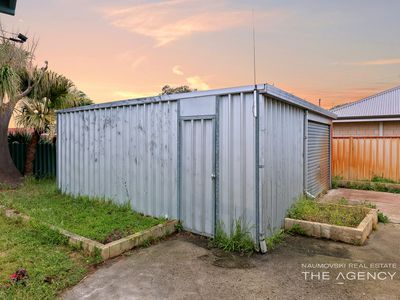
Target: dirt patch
[
  {"x": 314, "y": 247},
  {"x": 228, "y": 260},
  {"x": 195, "y": 239},
  {"x": 116, "y": 234}
]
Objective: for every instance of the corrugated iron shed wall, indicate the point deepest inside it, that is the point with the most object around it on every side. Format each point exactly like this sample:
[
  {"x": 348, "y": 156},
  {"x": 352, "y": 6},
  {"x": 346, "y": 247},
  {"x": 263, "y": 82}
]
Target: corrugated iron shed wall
[
  {"x": 127, "y": 153},
  {"x": 236, "y": 190},
  {"x": 281, "y": 158}
]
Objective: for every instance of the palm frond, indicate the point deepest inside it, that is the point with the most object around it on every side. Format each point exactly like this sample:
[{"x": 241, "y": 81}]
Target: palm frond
[{"x": 36, "y": 114}]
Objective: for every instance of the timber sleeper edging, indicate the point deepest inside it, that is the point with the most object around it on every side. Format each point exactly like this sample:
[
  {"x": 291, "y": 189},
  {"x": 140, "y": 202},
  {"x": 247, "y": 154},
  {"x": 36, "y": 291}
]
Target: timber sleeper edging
[
  {"x": 350, "y": 235},
  {"x": 111, "y": 249}
]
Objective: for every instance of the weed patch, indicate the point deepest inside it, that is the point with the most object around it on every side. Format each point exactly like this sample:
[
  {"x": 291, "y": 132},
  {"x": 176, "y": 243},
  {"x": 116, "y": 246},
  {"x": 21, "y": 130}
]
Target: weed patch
[
  {"x": 377, "y": 186},
  {"x": 296, "y": 229},
  {"x": 239, "y": 240},
  {"x": 382, "y": 218},
  {"x": 274, "y": 240},
  {"x": 335, "y": 181},
  {"x": 335, "y": 214},
  {"x": 382, "y": 179}
]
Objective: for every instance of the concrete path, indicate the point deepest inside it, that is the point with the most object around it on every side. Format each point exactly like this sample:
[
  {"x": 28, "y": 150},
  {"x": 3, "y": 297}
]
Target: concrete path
[
  {"x": 388, "y": 203},
  {"x": 184, "y": 267}
]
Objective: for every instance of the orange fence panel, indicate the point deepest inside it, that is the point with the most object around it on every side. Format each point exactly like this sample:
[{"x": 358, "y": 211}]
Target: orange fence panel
[{"x": 358, "y": 158}]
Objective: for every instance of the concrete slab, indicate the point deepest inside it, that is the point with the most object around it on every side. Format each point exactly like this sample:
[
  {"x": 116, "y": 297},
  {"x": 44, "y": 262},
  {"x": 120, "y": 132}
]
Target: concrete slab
[
  {"x": 183, "y": 267},
  {"x": 387, "y": 203}
]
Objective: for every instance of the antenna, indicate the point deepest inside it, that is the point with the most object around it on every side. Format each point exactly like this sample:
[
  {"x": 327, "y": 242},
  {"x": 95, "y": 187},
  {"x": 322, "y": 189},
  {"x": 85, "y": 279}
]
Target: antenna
[
  {"x": 319, "y": 102},
  {"x": 254, "y": 52}
]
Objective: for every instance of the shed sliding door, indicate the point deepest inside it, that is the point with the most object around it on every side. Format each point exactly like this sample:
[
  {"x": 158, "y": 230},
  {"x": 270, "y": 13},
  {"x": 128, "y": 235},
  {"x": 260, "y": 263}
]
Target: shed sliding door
[{"x": 318, "y": 158}]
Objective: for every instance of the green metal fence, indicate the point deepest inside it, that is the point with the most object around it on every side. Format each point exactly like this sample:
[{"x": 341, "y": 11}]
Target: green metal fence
[{"x": 45, "y": 159}]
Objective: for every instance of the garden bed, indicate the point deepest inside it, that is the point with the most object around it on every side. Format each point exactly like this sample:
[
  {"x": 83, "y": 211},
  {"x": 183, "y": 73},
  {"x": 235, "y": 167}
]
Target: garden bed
[
  {"x": 99, "y": 220},
  {"x": 96, "y": 226},
  {"x": 349, "y": 224}
]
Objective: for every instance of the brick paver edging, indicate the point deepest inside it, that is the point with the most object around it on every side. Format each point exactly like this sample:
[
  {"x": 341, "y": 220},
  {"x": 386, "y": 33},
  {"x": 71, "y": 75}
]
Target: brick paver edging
[
  {"x": 350, "y": 235},
  {"x": 112, "y": 249}
]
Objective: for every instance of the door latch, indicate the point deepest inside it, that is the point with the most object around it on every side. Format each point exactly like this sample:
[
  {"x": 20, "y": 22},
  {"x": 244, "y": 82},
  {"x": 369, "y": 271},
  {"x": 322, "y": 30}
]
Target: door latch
[{"x": 213, "y": 176}]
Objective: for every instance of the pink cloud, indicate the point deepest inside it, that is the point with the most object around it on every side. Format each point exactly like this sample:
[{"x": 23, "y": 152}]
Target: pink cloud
[{"x": 168, "y": 21}]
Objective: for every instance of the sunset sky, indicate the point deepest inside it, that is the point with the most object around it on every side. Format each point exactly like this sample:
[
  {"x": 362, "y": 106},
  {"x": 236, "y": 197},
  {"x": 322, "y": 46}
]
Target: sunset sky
[{"x": 339, "y": 51}]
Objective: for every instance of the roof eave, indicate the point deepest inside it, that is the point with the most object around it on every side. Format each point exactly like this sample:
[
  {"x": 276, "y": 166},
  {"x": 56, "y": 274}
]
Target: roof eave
[{"x": 294, "y": 100}]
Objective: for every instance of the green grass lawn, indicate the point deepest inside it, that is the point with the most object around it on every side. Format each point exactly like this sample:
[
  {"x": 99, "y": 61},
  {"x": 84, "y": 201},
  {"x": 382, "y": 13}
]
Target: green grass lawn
[
  {"x": 95, "y": 219},
  {"x": 51, "y": 265},
  {"x": 335, "y": 214}
]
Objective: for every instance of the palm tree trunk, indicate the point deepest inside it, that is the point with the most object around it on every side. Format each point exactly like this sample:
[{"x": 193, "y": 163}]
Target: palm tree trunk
[
  {"x": 9, "y": 173},
  {"x": 30, "y": 153}
]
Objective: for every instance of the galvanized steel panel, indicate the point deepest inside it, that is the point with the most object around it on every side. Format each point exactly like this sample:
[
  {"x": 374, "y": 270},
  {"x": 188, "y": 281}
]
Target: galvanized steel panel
[
  {"x": 197, "y": 183},
  {"x": 236, "y": 190},
  {"x": 318, "y": 158},
  {"x": 127, "y": 154},
  {"x": 201, "y": 106},
  {"x": 281, "y": 161}
]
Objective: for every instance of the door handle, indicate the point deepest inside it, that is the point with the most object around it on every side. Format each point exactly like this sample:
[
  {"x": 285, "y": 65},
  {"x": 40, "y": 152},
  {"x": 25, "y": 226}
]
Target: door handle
[{"x": 213, "y": 176}]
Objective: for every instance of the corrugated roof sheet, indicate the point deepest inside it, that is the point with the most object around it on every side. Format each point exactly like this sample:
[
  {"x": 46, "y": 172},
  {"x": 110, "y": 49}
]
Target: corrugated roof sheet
[
  {"x": 386, "y": 103},
  {"x": 262, "y": 88}
]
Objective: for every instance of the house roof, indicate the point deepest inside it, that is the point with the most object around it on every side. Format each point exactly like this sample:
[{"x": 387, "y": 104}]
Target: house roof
[
  {"x": 265, "y": 89},
  {"x": 383, "y": 104}
]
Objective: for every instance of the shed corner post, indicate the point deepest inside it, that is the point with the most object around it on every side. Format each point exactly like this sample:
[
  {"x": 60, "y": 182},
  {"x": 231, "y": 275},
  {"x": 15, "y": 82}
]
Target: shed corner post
[
  {"x": 256, "y": 114},
  {"x": 58, "y": 148},
  {"x": 216, "y": 166},
  {"x": 178, "y": 182},
  {"x": 305, "y": 152}
]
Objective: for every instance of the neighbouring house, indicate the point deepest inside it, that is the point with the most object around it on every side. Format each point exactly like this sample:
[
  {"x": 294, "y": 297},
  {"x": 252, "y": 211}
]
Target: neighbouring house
[
  {"x": 377, "y": 115},
  {"x": 366, "y": 137},
  {"x": 207, "y": 158}
]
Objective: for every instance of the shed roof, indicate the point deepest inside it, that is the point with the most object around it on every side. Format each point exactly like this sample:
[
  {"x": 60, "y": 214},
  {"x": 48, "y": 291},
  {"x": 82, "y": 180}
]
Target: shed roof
[
  {"x": 265, "y": 89},
  {"x": 383, "y": 104}
]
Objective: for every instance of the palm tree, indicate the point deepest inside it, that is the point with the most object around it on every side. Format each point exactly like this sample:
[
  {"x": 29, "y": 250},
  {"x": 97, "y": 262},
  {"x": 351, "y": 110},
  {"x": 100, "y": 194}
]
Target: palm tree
[
  {"x": 37, "y": 111},
  {"x": 15, "y": 64}
]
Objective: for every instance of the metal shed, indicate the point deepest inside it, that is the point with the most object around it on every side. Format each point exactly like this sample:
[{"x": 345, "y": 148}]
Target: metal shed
[{"x": 206, "y": 158}]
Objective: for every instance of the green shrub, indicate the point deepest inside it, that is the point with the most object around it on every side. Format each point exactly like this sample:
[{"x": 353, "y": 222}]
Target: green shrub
[
  {"x": 239, "y": 240},
  {"x": 20, "y": 137},
  {"x": 335, "y": 181},
  {"x": 382, "y": 218},
  {"x": 382, "y": 179},
  {"x": 179, "y": 227}
]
